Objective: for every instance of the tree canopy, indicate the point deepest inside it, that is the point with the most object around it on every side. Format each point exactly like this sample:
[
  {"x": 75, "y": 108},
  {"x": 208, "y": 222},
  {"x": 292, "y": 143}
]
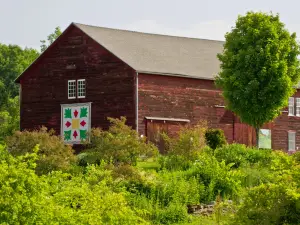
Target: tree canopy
[
  {"x": 259, "y": 68},
  {"x": 50, "y": 39},
  {"x": 13, "y": 61}
]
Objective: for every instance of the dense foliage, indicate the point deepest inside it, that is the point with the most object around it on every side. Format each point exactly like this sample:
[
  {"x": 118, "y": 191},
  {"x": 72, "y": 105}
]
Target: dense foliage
[
  {"x": 215, "y": 138},
  {"x": 40, "y": 182},
  {"x": 259, "y": 68},
  {"x": 119, "y": 144},
  {"x": 13, "y": 61},
  {"x": 9, "y": 117},
  {"x": 54, "y": 154}
]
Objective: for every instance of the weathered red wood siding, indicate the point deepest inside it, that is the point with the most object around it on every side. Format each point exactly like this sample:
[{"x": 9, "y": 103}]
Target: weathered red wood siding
[
  {"x": 109, "y": 83},
  {"x": 184, "y": 98},
  {"x": 282, "y": 125},
  {"x": 194, "y": 99}
]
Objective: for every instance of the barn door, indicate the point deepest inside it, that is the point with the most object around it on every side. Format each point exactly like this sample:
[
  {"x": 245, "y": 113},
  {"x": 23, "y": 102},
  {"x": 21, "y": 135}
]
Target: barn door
[
  {"x": 154, "y": 134},
  {"x": 244, "y": 134}
]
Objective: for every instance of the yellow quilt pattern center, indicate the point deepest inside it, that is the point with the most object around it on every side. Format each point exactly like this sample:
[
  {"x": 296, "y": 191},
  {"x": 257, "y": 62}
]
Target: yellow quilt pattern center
[{"x": 75, "y": 123}]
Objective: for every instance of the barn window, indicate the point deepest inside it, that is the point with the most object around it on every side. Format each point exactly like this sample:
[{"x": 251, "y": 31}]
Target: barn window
[
  {"x": 297, "y": 106},
  {"x": 291, "y": 106},
  {"x": 292, "y": 140},
  {"x": 71, "y": 89},
  {"x": 81, "y": 88}
]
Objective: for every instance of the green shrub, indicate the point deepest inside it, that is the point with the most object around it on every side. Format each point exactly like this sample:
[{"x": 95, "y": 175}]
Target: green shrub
[
  {"x": 296, "y": 156},
  {"x": 174, "y": 162},
  {"x": 59, "y": 198},
  {"x": 133, "y": 179},
  {"x": 215, "y": 138},
  {"x": 172, "y": 214},
  {"x": 119, "y": 145},
  {"x": 240, "y": 154},
  {"x": 53, "y": 153},
  {"x": 217, "y": 178},
  {"x": 185, "y": 148},
  {"x": 255, "y": 175},
  {"x": 270, "y": 204},
  {"x": 188, "y": 143},
  {"x": 165, "y": 201},
  {"x": 234, "y": 153},
  {"x": 262, "y": 156},
  {"x": 91, "y": 198}
]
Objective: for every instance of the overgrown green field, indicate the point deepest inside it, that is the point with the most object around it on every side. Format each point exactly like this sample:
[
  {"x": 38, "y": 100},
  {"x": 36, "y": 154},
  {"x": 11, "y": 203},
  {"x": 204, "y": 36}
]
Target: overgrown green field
[{"x": 121, "y": 179}]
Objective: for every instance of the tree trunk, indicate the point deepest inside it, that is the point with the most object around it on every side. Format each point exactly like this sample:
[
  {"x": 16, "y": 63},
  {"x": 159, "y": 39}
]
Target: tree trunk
[{"x": 257, "y": 136}]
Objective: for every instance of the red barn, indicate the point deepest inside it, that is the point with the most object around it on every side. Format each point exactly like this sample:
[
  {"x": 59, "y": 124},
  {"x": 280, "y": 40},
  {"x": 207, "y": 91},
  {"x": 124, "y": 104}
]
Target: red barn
[{"x": 157, "y": 82}]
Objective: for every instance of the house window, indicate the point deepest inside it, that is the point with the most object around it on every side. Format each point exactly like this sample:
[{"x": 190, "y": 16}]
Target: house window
[
  {"x": 71, "y": 89},
  {"x": 297, "y": 106},
  {"x": 81, "y": 88},
  {"x": 292, "y": 140},
  {"x": 264, "y": 138},
  {"x": 291, "y": 106}
]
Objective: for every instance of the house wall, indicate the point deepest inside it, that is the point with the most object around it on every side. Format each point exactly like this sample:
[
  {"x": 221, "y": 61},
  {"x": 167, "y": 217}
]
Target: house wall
[
  {"x": 195, "y": 99},
  {"x": 109, "y": 83}
]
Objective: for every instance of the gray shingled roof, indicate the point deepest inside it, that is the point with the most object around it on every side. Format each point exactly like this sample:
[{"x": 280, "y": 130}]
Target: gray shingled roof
[{"x": 160, "y": 54}]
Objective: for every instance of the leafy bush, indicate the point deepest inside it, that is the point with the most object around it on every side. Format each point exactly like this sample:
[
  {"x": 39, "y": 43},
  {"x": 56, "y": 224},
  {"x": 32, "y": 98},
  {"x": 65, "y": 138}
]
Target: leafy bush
[
  {"x": 296, "y": 156},
  {"x": 240, "y": 154},
  {"x": 53, "y": 153},
  {"x": 59, "y": 198},
  {"x": 185, "y": 148},
  {"x": 217, "y": 178},
  {"x": 165, "y": 201},
  {"x": 215, "y": 138},
  {"x": 188, "y": 143},
  {"x": 174, "y": 162},
  {"x": 119, "y": 145},
  {"x": 270, "y": 204},
  {"x": 173, "y": 213},
  {"x": 234, "y": 153}
]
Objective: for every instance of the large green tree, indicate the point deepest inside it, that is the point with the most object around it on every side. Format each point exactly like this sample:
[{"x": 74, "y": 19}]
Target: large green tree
[
  {"x": 259, "y": 68},
  {"x": 9, "y": 117},
  {"x": 3, "y": 95},
  {"x": 50, "y": 39},
  {"x": 13, "y": 61}
]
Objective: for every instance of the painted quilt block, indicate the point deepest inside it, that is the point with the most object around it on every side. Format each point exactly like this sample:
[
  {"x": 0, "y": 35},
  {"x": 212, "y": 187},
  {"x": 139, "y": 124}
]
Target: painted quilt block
[{"x": 75, "y": 124}]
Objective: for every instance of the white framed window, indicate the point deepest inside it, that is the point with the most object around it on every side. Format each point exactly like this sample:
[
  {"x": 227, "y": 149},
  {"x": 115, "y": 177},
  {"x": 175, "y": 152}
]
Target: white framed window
[
  {"x": 291, "y": 106},
  {"x": 297, "y": 106},
  {"x": 292, "y": 140},
  {"x": 81, "y": 88},
  {"x": 71, "y": 89}
]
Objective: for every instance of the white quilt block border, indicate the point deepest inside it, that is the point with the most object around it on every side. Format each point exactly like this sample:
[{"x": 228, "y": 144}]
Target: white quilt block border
[{"x": 64, "y": 120}]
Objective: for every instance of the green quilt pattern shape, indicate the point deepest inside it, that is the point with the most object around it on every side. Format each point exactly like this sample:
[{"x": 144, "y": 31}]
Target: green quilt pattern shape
[{"x": 67, "y": 135}]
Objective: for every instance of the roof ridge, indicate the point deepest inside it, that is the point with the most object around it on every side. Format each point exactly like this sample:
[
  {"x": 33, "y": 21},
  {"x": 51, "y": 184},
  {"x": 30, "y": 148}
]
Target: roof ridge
[{"x": 140, "y": 32}]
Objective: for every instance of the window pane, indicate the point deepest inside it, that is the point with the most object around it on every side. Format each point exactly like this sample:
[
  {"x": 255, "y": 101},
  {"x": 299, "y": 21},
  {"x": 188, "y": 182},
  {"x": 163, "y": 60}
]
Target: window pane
[
  {"x": 297, "y": 106},
  {"x": 81, "y": 88},
  {"x": 71, "y": 89},
  {"x": 292, "y": 140}
]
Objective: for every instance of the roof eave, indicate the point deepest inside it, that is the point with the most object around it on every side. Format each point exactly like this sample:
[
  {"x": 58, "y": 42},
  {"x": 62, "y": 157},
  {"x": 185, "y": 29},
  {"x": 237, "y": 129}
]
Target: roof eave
[{"x": 175, "y": 75}]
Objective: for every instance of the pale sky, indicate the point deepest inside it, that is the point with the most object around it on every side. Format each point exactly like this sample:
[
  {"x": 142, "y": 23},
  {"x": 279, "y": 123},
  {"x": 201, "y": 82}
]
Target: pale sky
[{"x": 26, "y": 22}]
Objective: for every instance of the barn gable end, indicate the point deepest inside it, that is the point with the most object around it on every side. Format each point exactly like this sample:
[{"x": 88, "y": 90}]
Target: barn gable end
[{"x": 74, "y": 55}]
